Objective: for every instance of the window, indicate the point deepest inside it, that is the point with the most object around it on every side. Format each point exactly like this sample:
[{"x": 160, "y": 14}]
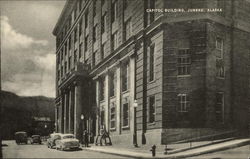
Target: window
[
  {"x": 86, "y": 43},
  {"x": 94, "y": 33},
  {"x": 80, "y": 50},
  {"x": 102, "y": 89},
  {"x": 112, "y": 84},
  {"x": 70, "y": 42},
  {"x": 112, "y": 115},
  {"x": 220, "y": 70},
  {"x": 126, "y": 3},
  {"x": 65, "y": 67},
  {"x": 80, "y": 5},
  {"x": 151, "y": 62},
  {"x": 103, "y": 2},
  {"x": 219, "y": 107},
  {"x": 86, "y": 19},
  {"x": 102, "y": 117},
  {"x": 114, "y": 11},
  {"x": 183, "y": 103},
  {"x": 66, "y": 49},
  {"x": 75, "y": 35},
  {"x": 104, "y": 23},
  {"x": 219, "y": 47},
  {"x": 102, "y": 51},
  {"x": 94, "y": 8},
  {"x": 80, "y": 28},
  {"x": 62, "y": 71},
  {"x": 75, "y": 13},
  {"x": 114, "y": 40},
  {"x": 125, "y": 114},
  {"x": 184, "y": 62},
  {"x": 128, "y": 29},
  {"x": 69, "y": 62},
  {"x": 125, "y": 78},
  {"x": 151, "y": 109},
  {"x": 94, "y": 58},
  {"x": 75, "y": 56}
]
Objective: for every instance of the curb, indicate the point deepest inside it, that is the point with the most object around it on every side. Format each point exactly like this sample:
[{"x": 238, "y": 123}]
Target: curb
[{"x": 173, "y": 156}]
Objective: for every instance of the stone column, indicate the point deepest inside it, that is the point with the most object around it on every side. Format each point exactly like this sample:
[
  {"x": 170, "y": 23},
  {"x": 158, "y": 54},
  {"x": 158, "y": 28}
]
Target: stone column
[
  {"x": 107, "y": 101},
  {"x": 78, "y": 110},
  {"x": 56, "y": 116},
  {"x": 69, "y": 111},
  {"x": 118, "y": 99},
  {"x": 61, "y": 112},
  {"x": 98, "y": 108},
  {"x": 65, "y": 113},
  {"x": 132, "y": 91}
]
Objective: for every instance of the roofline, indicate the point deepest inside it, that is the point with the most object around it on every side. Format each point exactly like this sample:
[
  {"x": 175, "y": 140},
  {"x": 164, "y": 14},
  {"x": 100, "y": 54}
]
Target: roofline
[{"x": 66, "y": 9}]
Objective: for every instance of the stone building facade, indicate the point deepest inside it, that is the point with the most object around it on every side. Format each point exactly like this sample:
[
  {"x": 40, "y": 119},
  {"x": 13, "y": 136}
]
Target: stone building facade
[{"x": 161, "y": 75}]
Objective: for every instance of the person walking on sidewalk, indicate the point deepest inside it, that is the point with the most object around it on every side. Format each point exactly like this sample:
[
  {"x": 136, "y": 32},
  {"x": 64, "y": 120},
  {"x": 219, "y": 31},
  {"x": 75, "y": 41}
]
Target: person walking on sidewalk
[{"x": 86, "y": 138}]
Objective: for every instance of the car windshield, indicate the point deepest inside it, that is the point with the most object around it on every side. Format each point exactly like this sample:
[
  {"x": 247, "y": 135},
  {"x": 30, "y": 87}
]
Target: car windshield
[{"x": 68, "y": 137}]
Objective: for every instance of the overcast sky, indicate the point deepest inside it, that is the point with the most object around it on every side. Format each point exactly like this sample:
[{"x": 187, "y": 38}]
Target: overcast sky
[{"x": 28, "y": 46}]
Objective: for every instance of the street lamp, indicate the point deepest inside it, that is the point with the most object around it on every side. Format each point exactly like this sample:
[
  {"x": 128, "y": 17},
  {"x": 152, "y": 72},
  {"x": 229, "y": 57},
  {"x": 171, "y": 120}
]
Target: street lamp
[
  {"x": 135, "y": 126},
  {"x": 81, "y": 130}
]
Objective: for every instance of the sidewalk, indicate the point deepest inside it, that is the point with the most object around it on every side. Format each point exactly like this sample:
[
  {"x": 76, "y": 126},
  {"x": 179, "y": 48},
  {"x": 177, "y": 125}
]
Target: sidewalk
[{"x": 144, "y": 151}]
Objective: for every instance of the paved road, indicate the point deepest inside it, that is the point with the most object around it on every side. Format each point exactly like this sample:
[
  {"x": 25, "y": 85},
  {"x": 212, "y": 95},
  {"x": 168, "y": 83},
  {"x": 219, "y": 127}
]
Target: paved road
[
  {"x": 236, "y": 153},
  {"x": 12, "y": 150}
]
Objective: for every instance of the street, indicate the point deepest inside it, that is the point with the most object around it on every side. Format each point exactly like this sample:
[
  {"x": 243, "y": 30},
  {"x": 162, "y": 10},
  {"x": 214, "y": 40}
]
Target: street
[{"x": 12, "y": 150}]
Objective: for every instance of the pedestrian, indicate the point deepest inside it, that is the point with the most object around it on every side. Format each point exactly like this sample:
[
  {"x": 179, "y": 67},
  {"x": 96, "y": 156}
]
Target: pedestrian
[{"x": 86, "y": 138}]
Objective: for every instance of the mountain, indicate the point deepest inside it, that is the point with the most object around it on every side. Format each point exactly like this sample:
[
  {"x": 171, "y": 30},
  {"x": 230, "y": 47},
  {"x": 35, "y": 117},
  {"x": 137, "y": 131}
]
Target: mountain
[{"x": 18, "y": 112}]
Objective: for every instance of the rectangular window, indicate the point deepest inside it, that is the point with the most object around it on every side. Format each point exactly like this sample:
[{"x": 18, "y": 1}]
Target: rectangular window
[
  {"x": 102, "y": 89},
  {"x": 75, "y": 57},
  {"x": 102, "y": 51},
  {"x": 94, "y": 33},
  {"x": 219, "y": 47},
  {"x": 125, "y": 114},
  {"x": 62, "y": 71},
  {"x": 219, "y": 108},
  {"x": 65, "y": 68},
  {"x": 112, "y": 84},
  {"x": 80, "y": 50},
  {"x": 94, "y": 8},
  {"x": 69, "y": 62},
  {"x": 112, "y": 115},
  {"x": 114, "y": 40},
  {"x": 80, "y": 5},
  {"x": 114, "y": 11},
  {"x": 151, "y": 109},
  {"x": 128, "y": 29},
  {"x": 70, "y": 42},
  {"x": 86, "y": 19},
  {"x": 102, "y": 117},
  {"x": 183, "y": 103},
  {"x": 125, "y": 78},
  {"x": 80, "y": 28},
  {"x": 75, "y": 13},
  {"x": 184, "y": 62},
  {"x": 151, "y": 62},
  {"x": 86, "y": 43},
  {"x": 94, "y": 58},
  {"x": 75, "y": 35},
  {"x": 150, "y": 15},
  {"x": 126, "y": 3},
  {"x": 104, "y": 23},
  {"x": 220, "y": 71}
]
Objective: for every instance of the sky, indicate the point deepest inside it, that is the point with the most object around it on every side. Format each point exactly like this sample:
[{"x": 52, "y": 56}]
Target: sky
[{"x": 28, "y": 46}]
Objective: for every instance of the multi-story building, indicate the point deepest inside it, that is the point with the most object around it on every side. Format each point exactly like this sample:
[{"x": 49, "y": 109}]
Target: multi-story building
[{"x": 161, "y": 75}]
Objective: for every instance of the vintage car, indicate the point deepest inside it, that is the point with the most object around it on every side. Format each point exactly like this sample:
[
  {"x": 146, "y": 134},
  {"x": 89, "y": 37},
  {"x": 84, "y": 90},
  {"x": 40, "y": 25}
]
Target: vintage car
[
  {"x": 21, "y": 137},
  {"x": 35, "y": 139},
  {"x": 52, "y": 138},
  {"x": 67, "y": 141}
]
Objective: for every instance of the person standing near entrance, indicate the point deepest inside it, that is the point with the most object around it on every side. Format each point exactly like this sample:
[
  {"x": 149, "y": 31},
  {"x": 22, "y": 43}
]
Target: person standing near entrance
[{"x": 86, "y": 138}]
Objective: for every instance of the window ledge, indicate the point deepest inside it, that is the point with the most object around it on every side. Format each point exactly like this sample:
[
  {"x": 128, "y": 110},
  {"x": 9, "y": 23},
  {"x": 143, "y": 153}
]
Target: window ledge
[
  {"x": 222, "y": 78},
  {"x": 153, "y": 123},
  {"x": 124, "y": 92},
  {"x": 183, "y": 76},
  {"x": 112, "y": 129},
  {"x": 125, "y": 127},
  {"x": 152, "y": 81}
]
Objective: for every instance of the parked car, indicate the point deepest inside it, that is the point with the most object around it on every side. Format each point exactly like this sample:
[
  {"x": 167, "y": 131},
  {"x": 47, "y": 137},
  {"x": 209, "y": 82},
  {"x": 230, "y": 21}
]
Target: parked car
[
  {"x": 36, "y": 139},
  {"x": 52, "y": 138},
  {"x": 21, "y": 137},
  {"x": 67, "y": 141}
]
